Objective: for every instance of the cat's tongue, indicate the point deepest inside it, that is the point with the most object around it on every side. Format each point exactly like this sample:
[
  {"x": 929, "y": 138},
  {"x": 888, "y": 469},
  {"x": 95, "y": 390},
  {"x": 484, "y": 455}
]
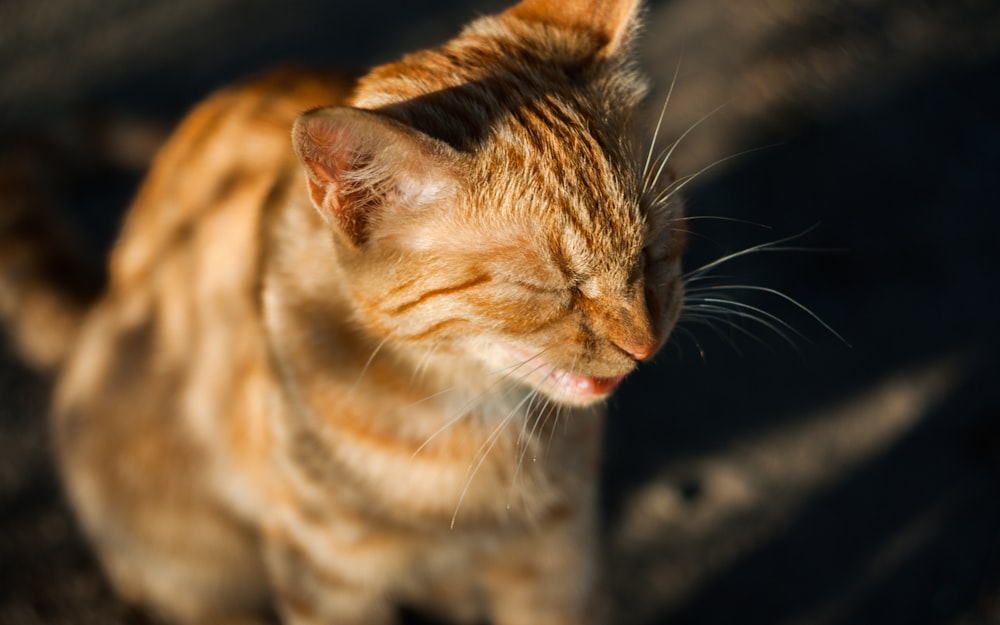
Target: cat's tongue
[{"x": 583, "y": 386}]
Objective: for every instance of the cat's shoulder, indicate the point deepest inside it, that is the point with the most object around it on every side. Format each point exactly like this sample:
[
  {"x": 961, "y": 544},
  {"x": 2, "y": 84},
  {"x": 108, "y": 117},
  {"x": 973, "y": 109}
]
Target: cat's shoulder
[
  {"x": 262, "y": 105},
  {"x": 221, "y": 159}
]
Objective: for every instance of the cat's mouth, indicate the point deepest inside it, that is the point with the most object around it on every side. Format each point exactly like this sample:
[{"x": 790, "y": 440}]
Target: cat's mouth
[{"x": 561, "y": 384}]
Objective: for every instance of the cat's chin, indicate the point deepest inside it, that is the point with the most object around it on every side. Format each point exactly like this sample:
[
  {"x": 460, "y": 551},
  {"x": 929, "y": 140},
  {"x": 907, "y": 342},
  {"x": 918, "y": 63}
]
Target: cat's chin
[{"x": 562, "y": 385}]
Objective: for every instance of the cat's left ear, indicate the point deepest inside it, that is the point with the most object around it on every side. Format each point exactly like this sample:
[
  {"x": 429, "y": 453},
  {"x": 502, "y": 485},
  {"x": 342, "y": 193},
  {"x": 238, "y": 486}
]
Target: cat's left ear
[
  {"x": 366, "y": 172},
  {"x": 611, "y": 23}
]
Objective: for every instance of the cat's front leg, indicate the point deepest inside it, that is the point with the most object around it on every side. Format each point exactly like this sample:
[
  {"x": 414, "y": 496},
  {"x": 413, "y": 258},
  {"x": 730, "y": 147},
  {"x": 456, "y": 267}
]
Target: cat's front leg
[{"x": 315, "y": 583}]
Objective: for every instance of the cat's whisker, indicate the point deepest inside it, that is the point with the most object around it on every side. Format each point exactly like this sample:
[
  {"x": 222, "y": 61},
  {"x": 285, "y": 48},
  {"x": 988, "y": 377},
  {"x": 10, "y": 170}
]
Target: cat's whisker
[
  {"x": 491, "y": 440},
  {"x": 725, "y": 304},
  {"x": 724, "y": 315},
  {"x": 708, "y": 278},
  {"x": 558, "y": 409},
  {"x": 420, "y": 369},
  {"x": 710, "y": 321},
  {"x": 670, "y": 151},
  {"x": 535, "y": 418},
  {"x": 770, "y": 246},
  {"x": 523, "y": 439},
  {"x": 720, "y": 218},
  {"x": 706, "y": 301},
  {"x": 702, "y": 273},
  {"x": 681, "y": 330},
  {"x": 540, "y": 417},
  {"x": 503, "y": 372},
  {"x": 692, "y": 233},
  {"x": 368, "y": 364},
  {"x": 463, "y": 411},
  {"x": 779, "y": 294},
  {"x": 524, "y": 436},
  {"x": 535, "y": 393},
  {"x": 676, "y": 346},
  {"x": 527, "y": 374},
  {"x": 541, "y": 413},
  {"x": 555, "y": 425},
  {"x": 676, "y": 186},
  {"x": 659, "y": 122}
]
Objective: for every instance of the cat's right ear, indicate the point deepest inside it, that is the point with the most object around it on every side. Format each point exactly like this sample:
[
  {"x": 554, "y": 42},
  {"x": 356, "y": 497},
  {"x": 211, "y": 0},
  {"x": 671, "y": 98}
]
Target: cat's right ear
[
  {"x": 611, "y": 23},
  {"x": 364, "y": 169}
]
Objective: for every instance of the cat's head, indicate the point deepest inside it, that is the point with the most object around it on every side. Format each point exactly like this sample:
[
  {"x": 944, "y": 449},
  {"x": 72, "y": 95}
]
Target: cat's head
[{"x": 488, "y": 200}]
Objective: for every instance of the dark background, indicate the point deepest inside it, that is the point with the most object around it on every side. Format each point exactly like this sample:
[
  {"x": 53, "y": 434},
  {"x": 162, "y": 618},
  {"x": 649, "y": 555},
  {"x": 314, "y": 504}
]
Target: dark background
[{"x": 747, "y": 480}]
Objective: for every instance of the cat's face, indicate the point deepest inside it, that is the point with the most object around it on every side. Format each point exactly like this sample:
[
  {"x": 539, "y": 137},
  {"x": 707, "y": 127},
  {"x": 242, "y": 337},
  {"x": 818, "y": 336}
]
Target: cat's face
[
  {"x": 536, "y": 299},
  {"x": 561, "y": 282},
  {"x": 563, "y": 309},
  {"x": 502, "y": 217}
]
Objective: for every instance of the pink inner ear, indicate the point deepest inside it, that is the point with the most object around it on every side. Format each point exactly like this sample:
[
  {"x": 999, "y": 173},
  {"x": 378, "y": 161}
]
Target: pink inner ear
[
  {"x": 326, "y": 146},
  {"x": 323, "y": 147},
  {"x": 342, "y": 204},
  {"x": 360, "y": 164},
  {"x": 324, "y": 191}
]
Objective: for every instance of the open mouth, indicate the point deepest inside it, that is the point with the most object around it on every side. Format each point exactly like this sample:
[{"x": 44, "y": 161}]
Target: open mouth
[
  {"x": 563, "y": 383},
  {"x": 584, "y": 386}
]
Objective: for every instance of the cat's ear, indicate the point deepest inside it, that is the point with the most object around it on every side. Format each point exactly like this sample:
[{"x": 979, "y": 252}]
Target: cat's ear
[
  {"x": 363, "y": 169},
  {"x": 612, "y": 23}
]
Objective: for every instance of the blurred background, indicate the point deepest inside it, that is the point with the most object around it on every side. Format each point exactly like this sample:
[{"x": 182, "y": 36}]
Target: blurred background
[{"x": 748, "y": 479}]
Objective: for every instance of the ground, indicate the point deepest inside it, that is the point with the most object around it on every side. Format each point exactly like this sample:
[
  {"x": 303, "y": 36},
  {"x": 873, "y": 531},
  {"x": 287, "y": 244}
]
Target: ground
[{"x": 747, "y": 480}]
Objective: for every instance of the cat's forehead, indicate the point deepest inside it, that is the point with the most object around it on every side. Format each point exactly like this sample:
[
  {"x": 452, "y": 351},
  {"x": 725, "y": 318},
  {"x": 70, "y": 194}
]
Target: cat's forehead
[
  {"x": 573, "y": 232},
  {"x": 568, "y": 179},
  {"x": 522, "y": 90}
]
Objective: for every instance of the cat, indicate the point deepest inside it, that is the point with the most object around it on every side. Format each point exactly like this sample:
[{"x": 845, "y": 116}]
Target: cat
[{"x": 365, "y": 366}]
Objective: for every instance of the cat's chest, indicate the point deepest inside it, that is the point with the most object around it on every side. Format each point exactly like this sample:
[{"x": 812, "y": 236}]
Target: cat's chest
[{"x": 438, "y": 463}]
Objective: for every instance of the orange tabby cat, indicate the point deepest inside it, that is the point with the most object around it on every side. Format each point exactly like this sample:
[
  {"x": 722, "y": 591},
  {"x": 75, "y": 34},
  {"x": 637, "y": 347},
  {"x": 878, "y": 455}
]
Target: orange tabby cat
[{"x": 365, "y": 367}]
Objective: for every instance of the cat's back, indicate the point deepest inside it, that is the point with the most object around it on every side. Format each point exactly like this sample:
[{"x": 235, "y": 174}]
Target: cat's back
[
  {"x": 218, "y": 168},
  {"x": 175, "y": 339},
  {"x": 183, "y": 270}
]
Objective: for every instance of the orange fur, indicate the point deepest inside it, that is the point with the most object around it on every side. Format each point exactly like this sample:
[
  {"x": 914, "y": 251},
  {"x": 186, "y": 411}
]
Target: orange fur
[{"x": 366, "y": 367}]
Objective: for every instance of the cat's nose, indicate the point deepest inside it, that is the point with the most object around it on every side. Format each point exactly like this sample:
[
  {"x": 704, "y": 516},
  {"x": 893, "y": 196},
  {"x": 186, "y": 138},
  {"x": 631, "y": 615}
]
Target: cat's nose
[
  {"x": 631, "y": 328},
  {"x": 639, "y": 350}
]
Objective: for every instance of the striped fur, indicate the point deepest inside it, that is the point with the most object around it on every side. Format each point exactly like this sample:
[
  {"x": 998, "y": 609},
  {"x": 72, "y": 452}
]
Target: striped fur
[{"x": 367, "y": 368}]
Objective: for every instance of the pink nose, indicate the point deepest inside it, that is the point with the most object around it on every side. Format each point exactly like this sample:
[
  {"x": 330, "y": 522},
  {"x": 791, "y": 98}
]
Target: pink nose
[{"x": 638, "y": 351}]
